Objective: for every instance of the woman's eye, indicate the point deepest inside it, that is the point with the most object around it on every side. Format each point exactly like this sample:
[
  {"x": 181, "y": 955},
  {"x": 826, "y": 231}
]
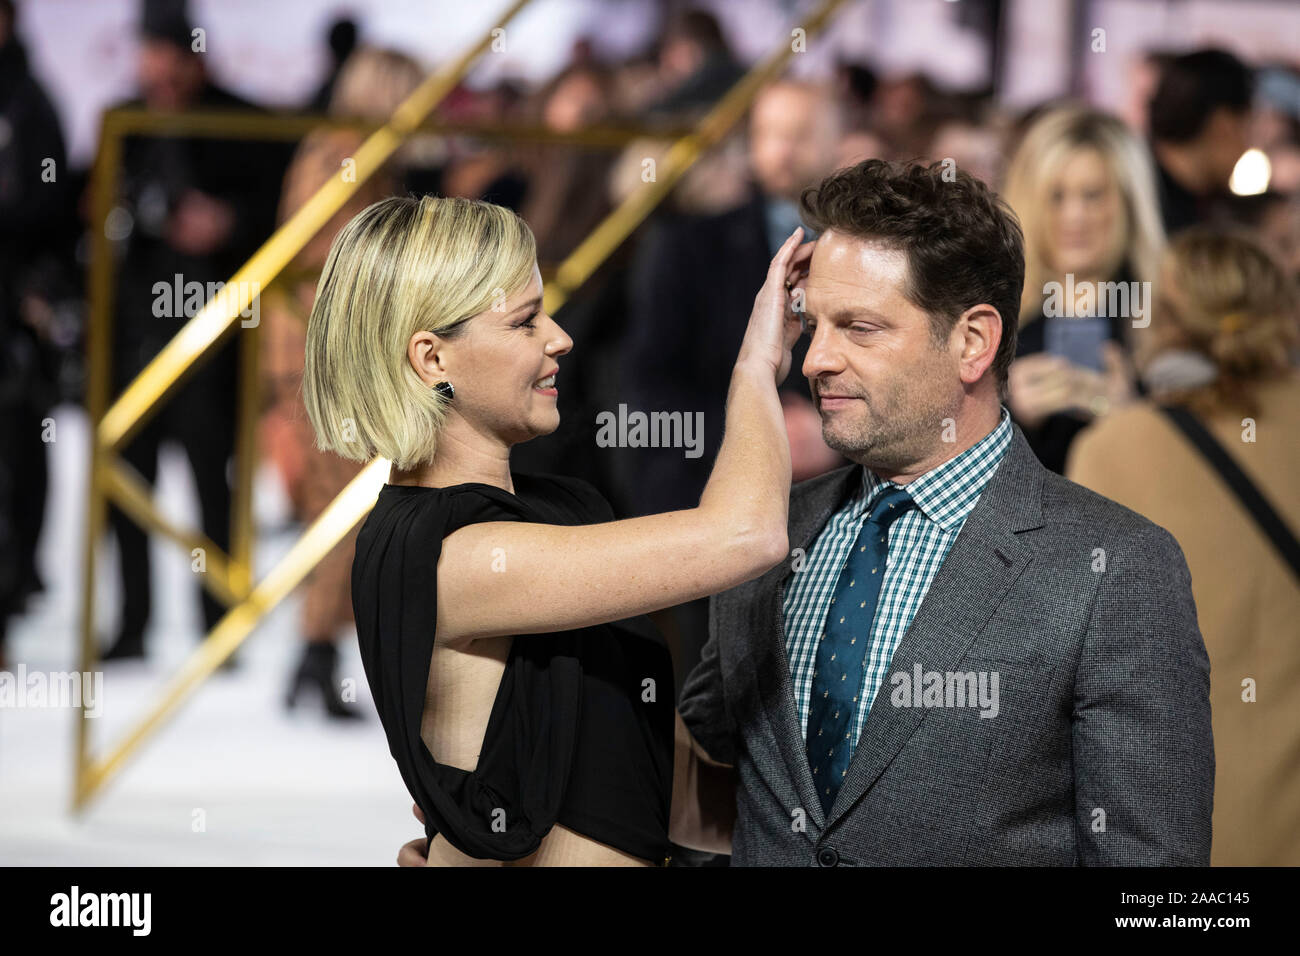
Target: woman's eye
[{"x": 528, "y": 323}]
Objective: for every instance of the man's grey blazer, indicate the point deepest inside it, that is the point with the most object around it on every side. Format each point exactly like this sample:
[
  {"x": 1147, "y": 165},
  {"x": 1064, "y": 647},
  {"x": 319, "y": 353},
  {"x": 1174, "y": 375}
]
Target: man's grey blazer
[{"x": 1100, "y": 752}]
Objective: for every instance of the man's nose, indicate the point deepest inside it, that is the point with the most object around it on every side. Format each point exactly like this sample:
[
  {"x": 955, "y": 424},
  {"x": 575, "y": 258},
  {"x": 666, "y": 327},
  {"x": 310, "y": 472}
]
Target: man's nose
[{"x": 822, "y": 358}]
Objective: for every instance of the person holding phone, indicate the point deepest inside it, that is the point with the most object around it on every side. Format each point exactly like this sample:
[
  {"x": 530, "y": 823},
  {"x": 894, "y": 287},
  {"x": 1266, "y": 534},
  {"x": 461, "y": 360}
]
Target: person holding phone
[
  {"x": 529, "y": 705},
  {"x": 1083, "y": 188}
]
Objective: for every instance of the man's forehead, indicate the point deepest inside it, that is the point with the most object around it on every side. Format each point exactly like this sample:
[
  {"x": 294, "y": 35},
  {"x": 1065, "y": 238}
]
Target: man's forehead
[{"x": 843, "y": 264}]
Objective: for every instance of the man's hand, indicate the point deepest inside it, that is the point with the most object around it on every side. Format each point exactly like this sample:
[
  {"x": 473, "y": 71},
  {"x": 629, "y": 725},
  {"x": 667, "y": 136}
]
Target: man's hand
[
  {"x": 703, "y": 811},
  {"x": 416, "y": 852}
]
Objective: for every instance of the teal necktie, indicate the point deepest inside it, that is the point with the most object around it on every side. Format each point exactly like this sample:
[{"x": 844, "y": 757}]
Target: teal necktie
[{"x": 842, "y": 653}]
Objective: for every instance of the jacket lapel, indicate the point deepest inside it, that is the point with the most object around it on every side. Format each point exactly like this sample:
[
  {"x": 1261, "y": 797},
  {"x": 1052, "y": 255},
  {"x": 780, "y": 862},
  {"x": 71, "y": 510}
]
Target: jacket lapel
[
  {"x": 982, "y": 565},
  {"x": 810, "y": 509}
]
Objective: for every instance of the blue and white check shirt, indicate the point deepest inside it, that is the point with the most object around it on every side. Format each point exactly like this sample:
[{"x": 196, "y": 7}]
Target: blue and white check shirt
[{"x": 918, "y": 543}]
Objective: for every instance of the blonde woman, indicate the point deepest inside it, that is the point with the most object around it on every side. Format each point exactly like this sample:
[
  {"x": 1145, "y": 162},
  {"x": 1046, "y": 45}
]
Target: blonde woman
[
  {"x": 527, "y": 703},
  {"x": 1224, "y": 330},
  {"x": 1083, "y": 187}
]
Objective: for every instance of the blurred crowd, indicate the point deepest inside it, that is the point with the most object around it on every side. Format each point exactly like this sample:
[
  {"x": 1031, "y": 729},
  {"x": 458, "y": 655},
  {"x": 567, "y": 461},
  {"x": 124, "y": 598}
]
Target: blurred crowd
[{"x": 1162, "y": 253}]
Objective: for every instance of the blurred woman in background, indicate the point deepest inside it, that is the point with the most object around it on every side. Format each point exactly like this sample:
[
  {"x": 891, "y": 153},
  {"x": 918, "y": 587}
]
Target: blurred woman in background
[
  {"x": 1224, "y": 328},
  {"x": 372, "y": 84},
  {"x": 565, "y": 201},
  {"x": 1084, "y": 189}
]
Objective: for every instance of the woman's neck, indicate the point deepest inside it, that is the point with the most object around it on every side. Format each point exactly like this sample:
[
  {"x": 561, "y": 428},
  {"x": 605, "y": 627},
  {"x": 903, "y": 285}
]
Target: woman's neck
[{"x": 459, "y": 461}]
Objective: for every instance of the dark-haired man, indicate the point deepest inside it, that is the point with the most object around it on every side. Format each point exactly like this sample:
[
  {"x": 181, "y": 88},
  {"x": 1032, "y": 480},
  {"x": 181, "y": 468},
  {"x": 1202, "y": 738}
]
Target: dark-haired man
[
  {"x": 966, "y": 659},
  {"x": 1199, "y": 115}
]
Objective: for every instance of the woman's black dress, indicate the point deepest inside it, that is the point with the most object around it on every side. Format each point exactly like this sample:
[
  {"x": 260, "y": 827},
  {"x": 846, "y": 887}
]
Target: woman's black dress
[{"x": 581, "y": 730}]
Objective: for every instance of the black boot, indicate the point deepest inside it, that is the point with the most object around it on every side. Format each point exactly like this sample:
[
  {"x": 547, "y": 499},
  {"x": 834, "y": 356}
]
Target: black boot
[{"x": 316, "y": 668}]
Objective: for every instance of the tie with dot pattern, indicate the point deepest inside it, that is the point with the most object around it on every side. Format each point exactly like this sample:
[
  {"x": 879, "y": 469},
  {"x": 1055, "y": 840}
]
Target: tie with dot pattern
[{"x": 842, "y": 654}]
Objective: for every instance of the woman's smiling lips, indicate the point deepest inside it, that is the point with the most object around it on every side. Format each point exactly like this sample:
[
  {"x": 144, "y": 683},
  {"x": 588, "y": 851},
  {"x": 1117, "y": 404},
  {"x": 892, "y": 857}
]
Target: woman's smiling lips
[{"x": 546, "y": 385}]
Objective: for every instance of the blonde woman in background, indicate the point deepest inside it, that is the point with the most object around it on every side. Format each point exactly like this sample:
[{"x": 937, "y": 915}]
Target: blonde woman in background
[
  {"x": 1083, "y": 187},
  {"x": 1224, "y": 326},
  {"x": 371, "y": 85}
]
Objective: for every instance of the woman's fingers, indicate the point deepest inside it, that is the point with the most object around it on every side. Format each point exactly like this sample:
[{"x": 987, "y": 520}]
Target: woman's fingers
[
  {"x": 765, "y": 337},
  {"x": 780, "y": 261},
  {"x": 797, "y": 269}
]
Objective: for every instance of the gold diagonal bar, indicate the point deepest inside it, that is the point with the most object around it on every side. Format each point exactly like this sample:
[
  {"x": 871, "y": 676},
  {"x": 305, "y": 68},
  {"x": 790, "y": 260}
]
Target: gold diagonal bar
[
  {"x": 622, "y": 222},
  {"x": 246, "y": 435},
  {"x": 123, "y": 486},
  {"x": 324, "y": 534},
  {"x": 197, "y": 337}
]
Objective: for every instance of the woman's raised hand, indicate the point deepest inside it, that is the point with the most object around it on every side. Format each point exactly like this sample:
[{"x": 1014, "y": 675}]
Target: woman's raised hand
[{"x": 773, "y": 326}]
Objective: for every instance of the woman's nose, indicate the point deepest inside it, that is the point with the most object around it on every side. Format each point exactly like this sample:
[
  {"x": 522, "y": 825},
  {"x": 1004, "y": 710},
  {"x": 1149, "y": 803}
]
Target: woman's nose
[{"x": 560, "y": 342}]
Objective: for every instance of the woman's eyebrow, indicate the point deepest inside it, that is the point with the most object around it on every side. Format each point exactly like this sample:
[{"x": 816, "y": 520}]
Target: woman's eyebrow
[{"x": 532, "y": 303}]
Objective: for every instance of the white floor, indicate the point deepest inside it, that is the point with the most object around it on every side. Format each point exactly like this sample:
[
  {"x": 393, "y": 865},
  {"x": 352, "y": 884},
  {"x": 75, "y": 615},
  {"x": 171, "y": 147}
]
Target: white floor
[{"x": 233, "y": 778}]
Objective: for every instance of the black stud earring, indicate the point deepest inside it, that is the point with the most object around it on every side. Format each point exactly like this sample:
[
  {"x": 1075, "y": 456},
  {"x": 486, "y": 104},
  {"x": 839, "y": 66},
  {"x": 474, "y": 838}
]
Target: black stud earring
[{"x": 446, "y": 390}]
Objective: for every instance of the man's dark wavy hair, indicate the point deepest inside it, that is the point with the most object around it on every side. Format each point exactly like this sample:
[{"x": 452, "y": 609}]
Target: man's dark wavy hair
[{"x": 963, "y": 244}]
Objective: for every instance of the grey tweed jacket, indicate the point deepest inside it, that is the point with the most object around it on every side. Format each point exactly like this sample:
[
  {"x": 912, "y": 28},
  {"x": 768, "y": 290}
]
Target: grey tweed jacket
[{"x": 1099, "y": 749}]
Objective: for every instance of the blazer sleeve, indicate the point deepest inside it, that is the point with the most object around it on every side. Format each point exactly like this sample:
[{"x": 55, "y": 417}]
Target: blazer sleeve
[
  {"x": 1143, "y": 746},
  {"x": 703, "y": 704}
]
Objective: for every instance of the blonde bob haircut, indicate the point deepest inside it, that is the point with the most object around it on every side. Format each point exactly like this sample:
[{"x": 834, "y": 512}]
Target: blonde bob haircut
[{"x": 400, "y": 266}]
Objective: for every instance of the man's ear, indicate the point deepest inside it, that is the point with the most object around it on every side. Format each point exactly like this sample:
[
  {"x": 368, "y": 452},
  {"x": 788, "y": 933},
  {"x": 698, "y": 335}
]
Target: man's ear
[
  {"x": 976, "y": 335},
  {"x": 427, "y": 354}
]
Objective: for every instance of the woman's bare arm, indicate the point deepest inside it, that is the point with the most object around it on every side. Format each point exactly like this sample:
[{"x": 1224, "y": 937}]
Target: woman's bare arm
[{"x": 506, "y": 577}]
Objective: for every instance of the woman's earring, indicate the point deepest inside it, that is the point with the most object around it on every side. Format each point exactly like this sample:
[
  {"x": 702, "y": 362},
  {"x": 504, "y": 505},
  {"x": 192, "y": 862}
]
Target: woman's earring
[{"x": 446, "y": 390}]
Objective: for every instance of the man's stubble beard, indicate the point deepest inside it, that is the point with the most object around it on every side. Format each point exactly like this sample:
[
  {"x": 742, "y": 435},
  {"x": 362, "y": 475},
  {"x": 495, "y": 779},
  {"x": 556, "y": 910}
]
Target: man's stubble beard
[{"x": 894, "y": 435}]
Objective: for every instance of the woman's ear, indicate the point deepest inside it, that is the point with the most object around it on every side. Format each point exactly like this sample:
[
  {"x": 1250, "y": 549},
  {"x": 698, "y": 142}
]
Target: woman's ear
[{"x": 425, "y": 351}]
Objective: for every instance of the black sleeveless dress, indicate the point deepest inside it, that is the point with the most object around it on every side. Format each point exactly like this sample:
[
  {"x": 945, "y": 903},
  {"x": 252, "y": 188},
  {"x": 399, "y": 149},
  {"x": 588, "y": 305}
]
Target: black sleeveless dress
[{"x": 581, "y": 730}]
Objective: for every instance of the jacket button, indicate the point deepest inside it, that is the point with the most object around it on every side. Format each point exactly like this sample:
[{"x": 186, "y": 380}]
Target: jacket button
[{"x": 827, "y": 856}]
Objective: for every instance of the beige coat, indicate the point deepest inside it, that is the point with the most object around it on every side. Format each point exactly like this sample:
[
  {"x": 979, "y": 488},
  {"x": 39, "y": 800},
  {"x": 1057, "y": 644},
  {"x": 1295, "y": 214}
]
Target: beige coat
[{"x": 1247, "y": 598}]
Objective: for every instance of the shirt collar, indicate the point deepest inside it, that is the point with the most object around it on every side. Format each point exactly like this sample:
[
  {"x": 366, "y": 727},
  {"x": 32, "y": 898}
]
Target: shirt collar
[{"x": 948, "y": 493}]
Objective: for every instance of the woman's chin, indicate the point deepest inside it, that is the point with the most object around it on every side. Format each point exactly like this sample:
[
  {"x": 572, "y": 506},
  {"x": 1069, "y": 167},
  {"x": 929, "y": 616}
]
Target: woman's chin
[
  {"x": 551, "y": 424},
  {"x": 539, "y": 426}
]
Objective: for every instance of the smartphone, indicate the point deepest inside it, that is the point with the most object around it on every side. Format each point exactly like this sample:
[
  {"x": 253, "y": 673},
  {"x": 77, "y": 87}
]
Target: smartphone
[{"x": 1079, "y": 340}]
